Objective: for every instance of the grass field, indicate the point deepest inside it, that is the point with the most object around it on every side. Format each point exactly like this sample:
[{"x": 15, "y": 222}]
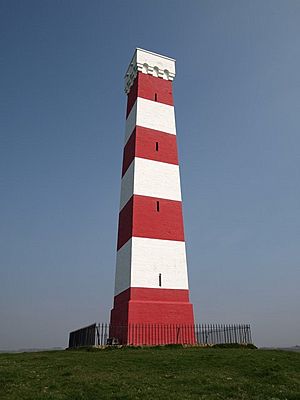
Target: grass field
[{"x": 154, "y": 373}]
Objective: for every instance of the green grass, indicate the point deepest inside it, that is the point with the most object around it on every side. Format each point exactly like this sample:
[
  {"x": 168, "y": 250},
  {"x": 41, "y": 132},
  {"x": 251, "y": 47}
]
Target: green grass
[{"x": 163, "y": 373}]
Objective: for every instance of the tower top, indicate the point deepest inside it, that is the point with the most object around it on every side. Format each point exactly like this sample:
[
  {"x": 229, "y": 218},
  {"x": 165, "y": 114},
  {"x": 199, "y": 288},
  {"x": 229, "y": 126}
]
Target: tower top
[{"x": 149, "y": 63}]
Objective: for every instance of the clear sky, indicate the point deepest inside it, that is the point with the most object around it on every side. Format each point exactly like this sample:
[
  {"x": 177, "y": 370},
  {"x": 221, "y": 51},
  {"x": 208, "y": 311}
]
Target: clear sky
[{"x": 237, "y": 97}]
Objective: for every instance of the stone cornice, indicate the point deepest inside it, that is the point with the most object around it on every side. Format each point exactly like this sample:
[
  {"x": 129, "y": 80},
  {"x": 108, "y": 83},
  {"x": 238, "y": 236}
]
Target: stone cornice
[{"x": 150, "y": 63}]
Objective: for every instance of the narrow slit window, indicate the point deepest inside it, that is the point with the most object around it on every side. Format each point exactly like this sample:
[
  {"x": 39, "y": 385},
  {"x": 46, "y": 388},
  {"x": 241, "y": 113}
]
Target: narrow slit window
[
  {"x": 156, "y": 146},
  {"x": 155, "y": 97},
  {"x": 159, "y": 280},
  {"x": 157, "y": 206}
]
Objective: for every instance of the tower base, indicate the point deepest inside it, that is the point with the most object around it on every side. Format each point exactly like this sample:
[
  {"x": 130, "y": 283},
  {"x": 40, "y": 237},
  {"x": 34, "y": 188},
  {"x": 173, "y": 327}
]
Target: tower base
[{"x": 145, "y": 316}]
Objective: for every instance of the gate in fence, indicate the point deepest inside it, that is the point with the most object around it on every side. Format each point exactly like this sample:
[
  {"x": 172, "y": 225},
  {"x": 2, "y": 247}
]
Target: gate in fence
[{"x": 155, "y": 334}]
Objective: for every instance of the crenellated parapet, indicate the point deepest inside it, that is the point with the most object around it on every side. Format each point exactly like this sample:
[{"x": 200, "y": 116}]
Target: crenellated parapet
[{"x": 149, "y": 63}]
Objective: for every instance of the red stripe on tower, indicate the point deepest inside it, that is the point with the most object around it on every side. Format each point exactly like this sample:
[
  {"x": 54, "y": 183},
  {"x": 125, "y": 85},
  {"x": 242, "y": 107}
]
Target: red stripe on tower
[
  {"x": 147, "y": 87},
  {"x": 150, "y": 144},
  {"x": 150, "y": 217},
  {"x": 151, "y": 282}
]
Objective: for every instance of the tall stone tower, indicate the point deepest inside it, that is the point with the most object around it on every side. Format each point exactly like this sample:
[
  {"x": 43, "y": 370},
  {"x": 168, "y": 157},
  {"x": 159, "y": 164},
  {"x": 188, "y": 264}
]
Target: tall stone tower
[{"x": 151, "y": 282}]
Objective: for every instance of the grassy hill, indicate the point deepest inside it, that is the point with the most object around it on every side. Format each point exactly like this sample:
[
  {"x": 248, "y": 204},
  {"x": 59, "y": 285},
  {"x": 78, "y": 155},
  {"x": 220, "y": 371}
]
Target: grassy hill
[{"x": 154, "y": 373}]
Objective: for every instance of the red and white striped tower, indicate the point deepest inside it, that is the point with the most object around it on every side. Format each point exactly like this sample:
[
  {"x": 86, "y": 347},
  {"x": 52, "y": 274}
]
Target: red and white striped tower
[{"x": 151, "y": 282}]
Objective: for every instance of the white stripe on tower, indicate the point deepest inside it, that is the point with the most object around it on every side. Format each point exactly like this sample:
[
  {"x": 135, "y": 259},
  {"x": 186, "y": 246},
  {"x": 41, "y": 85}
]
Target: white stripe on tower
[
  {"x": 150, "y": 178},
  {"x": 151, "y": 114},
  {"x": 139, "y": 263}
]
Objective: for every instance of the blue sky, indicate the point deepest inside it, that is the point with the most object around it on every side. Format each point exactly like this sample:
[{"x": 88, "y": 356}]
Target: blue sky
[{"x": 237, "y": 97}]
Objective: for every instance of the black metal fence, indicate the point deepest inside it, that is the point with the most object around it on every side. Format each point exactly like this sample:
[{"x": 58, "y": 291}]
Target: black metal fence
[
  {"x": 83, "y": 337},
  {"x": 155, "y": 334}
]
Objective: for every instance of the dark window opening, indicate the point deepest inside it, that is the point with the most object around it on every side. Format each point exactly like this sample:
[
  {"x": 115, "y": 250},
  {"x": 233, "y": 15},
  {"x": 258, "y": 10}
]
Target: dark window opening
[
  {"x": 156, "y": 146},
  {"x": 157, "y": 206},
  {"x": 155, "y": 97},
  {"x": 159, "y": 279}
]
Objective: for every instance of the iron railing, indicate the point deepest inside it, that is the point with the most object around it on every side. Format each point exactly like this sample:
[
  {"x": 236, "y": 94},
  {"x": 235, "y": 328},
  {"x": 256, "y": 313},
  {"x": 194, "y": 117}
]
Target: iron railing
[{"x": 156, "y": 334}]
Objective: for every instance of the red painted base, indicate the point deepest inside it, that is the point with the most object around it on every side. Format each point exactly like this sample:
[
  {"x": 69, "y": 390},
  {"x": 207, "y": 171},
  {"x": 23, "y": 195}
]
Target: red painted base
[{"x": 144, "y": 316}]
